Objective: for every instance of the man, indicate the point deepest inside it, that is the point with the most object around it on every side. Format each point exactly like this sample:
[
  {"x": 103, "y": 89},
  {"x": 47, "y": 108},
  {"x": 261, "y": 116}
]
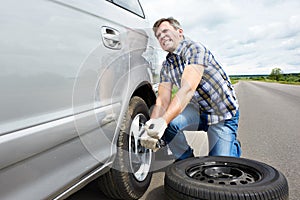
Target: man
[{"x": 205, "y": 100}]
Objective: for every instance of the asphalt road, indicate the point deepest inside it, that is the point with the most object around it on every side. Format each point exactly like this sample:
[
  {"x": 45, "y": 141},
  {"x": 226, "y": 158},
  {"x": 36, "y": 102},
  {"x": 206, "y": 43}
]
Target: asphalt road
[
  {"x": 270, "y": 127},
  {"x": 269, "y": 130}
]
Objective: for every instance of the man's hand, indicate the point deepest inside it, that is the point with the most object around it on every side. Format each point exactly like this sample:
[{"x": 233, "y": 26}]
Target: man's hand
[
  {"x": 149, "y": 143},
  {"x": 156, "y": 127}
]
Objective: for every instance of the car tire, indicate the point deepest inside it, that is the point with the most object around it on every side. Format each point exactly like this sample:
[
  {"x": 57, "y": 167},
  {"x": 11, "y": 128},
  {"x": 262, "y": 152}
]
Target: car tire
[
  {"x": 217, "y": 178},
  {"x": 130, "y": 175}
]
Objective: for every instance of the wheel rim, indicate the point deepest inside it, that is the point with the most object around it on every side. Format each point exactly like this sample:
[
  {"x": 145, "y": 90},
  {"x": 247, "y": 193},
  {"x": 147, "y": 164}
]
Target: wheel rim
[
  {"x": 223, "y": 173},
  {"x": 139, "y": 157}
]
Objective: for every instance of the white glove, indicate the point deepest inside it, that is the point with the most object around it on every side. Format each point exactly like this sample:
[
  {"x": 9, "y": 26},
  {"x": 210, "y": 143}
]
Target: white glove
[
  {"x": 149, "y": 142},
  {"x": 156, "y": 127}
]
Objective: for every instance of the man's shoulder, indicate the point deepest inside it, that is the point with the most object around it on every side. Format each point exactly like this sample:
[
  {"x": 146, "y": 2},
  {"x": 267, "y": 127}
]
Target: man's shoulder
[{"x": 189, "y": 44}]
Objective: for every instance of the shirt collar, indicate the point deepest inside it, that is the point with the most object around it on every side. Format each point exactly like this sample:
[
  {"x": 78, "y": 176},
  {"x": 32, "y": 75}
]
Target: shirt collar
[
  {"x": 171, "y": 55},
  {"x": 180, "y": 47}
]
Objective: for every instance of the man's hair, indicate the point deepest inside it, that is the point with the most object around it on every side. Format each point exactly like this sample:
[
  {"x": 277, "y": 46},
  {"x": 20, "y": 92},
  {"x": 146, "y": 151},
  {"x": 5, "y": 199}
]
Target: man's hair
[{"x": 173, "y": 22}]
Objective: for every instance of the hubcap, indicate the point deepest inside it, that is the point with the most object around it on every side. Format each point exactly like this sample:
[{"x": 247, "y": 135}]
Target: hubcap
[
  {"x": 140, "y": 157},
  {"x": 223, "y": 173}
]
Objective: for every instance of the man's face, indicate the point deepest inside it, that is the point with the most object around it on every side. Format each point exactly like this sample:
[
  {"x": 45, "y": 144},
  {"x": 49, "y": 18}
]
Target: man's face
[{"x": 168, "y": 37}]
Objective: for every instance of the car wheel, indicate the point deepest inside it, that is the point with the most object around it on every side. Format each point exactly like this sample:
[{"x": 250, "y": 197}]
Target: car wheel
[
  {"x": 218, "y": 178},
  {"x": 130, "y": 175}
]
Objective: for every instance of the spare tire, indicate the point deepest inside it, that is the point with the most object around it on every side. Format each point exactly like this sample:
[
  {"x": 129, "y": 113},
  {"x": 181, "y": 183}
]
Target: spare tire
[{"x": 217, "y": 178}]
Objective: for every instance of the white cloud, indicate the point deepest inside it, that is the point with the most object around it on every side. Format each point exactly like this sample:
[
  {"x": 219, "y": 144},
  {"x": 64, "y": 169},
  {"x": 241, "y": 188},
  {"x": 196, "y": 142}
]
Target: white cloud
[{"x": 246, "y": 36}]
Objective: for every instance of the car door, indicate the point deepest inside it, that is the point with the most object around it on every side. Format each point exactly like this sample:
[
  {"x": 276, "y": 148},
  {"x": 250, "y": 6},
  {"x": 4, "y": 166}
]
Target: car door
[{"x": 63, "y": 75}]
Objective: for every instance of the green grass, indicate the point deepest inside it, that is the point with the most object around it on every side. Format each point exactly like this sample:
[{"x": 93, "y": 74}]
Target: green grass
[
  {"x": 266, "y": 80},
  {"x": 174, "y": 90},
  {"x": 282, "y": 82},
  {"x": 234, "y": 81},
  {"x": 292, "y": 79}
]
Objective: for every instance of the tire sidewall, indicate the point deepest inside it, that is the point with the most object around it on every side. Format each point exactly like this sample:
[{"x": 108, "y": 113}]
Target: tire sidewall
[
  {"x": 136, "y": 106},
  {"x": 268, "y": 181}
]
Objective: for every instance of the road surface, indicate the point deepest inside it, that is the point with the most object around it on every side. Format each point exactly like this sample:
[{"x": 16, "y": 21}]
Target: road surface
[{"x": 269, "y": 129}]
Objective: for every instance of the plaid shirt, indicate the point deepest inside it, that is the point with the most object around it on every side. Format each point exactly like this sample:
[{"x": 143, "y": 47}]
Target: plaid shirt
[{"x": 215, "y": 94}]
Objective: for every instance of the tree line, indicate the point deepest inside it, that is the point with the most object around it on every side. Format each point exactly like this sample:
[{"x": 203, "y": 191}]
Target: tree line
[{"x": 276, "y": 75}]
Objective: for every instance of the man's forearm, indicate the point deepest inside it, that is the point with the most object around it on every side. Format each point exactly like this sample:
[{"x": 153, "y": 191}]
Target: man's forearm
[
  {"x": 158, "y": 111},
  {"x": 178, "y": 103},
  {"x": 163, "y": 100}
]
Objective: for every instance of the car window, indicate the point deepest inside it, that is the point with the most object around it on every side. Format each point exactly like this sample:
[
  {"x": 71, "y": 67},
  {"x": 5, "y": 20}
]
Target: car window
[{"x": 131, "y": 5}]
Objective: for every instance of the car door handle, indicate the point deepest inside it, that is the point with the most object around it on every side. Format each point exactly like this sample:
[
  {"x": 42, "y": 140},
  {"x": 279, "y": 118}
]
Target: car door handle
[{"x": 111, "y": 38}]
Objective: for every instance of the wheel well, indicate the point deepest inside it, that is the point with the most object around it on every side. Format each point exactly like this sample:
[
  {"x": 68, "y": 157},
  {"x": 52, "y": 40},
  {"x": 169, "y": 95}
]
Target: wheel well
[{"x": 146, "y": 92}]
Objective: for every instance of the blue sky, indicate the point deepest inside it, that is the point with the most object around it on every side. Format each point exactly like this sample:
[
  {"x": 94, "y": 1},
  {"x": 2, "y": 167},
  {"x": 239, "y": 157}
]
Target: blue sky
[{"x": 246, "y": 37}]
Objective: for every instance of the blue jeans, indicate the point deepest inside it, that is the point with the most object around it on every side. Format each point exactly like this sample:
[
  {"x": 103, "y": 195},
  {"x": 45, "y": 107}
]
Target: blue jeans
[{"x": 222, "y": 137}]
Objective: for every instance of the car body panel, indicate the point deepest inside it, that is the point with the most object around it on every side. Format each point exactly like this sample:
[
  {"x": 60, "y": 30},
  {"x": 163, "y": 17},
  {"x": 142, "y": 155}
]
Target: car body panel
[{"x": 67, "y": 75}]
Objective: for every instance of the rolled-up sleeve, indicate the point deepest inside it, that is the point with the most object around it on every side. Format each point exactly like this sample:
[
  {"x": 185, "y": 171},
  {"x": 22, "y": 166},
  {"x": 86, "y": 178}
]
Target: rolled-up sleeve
[{"x": 164, "y": 75}]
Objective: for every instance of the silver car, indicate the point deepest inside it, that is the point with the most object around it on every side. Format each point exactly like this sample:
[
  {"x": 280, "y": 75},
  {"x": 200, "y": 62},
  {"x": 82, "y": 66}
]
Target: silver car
[{"x": 75, "y": 87}]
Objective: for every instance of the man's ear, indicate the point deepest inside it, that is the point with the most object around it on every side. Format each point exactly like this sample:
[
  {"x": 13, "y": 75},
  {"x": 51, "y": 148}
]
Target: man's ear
[{"x": 180, "y": 31}]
